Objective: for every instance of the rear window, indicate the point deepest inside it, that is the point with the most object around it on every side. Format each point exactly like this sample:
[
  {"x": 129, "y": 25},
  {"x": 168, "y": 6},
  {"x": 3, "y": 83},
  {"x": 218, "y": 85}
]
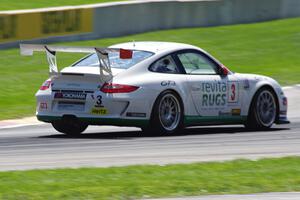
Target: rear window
[{"x": 115, "y": 60}]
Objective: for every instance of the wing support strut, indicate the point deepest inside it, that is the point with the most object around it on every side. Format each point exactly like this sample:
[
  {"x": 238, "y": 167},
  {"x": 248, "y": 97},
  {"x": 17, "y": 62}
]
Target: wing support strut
[
  {"x": 104, "y": 65},
  {"x": 51, "y": 58}
]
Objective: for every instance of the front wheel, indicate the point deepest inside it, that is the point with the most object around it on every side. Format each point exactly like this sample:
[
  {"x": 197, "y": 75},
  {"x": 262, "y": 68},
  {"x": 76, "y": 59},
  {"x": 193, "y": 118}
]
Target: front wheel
[
  {"x": 263, "y": 110},
  {"x": 167, "y": 115},
  {"x": 71, "y": 127}
]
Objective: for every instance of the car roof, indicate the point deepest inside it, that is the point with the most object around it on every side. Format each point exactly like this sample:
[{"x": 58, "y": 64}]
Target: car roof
[{"x": 155, "y": 47}]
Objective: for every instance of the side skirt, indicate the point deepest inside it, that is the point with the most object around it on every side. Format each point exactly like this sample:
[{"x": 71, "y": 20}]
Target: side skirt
[{"x": 213, "y": 120}]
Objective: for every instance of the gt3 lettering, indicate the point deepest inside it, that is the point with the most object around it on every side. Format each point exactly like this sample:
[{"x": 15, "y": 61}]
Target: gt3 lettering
[{"x": 168, "y": 83}]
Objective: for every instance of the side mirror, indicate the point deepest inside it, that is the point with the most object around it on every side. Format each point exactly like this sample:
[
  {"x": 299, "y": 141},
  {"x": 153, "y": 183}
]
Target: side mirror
[{"x": 224, "y": 71}]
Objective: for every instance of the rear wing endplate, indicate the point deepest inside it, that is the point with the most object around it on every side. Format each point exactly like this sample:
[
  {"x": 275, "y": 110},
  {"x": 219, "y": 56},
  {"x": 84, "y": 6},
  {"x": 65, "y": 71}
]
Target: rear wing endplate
[{"x": 102, "y": 53}]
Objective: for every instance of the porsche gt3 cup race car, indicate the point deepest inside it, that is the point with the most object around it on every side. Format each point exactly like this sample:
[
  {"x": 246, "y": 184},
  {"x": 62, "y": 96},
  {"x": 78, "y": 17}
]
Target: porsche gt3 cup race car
[{"x": 160, "y": 87}]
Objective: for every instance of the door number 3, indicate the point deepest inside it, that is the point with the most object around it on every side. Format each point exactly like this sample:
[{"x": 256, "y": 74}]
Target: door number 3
[{"x": 233, "y": 92}]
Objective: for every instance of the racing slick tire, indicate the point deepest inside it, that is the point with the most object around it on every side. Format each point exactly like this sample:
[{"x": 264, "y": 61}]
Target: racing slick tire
[
  {"x": 263, "y": 110},
  {"x": 69, "y": 126},
  {"x": 167, "y": 115}
]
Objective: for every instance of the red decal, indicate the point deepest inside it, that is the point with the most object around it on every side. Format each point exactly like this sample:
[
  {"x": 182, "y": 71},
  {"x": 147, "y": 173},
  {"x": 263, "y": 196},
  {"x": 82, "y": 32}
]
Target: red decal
[{"x": 125, "y": 54}]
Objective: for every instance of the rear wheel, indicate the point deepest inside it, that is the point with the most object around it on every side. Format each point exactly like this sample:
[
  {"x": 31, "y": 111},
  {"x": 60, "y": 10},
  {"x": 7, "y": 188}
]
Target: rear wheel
[
  {"x": 69, "y": 126},
  {"x": 167, "y": 115},
  {"x": 263, "y": 110}
]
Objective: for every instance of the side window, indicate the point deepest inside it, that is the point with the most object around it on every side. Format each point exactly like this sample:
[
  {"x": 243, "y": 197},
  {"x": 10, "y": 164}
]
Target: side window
[
  {"x": 165, "y": 65},
  {"x": 195, "y": 63}
]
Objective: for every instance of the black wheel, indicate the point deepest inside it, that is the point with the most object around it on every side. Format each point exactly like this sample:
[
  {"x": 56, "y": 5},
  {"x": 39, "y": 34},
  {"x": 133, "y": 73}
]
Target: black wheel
[
  {"x": 69, "y": 126},
  {"x": 166, "y": 116},
  {"x": 263, "y": 110}
]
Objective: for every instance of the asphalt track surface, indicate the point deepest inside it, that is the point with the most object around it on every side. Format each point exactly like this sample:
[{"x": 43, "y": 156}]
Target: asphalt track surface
[{"x": 39, "y": 146}]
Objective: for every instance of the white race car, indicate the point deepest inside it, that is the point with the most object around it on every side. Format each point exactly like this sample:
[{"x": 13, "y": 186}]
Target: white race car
[{"x": 160, "y": 87}]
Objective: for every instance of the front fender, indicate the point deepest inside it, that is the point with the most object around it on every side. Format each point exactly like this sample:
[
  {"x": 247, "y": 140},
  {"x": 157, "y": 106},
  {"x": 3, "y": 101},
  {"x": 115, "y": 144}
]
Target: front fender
[{"x": 257, "y": 83}]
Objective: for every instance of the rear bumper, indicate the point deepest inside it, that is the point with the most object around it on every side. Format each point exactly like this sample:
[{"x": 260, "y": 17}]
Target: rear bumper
[
  {"x": 113, "y": 108},
  {"x": 99, "y": 121}
]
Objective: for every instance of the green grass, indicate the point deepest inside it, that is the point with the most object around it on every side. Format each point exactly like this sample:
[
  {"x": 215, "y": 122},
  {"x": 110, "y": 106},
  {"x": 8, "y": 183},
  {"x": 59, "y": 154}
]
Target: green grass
[
  {"x": 134, "y": 182},
  {"x": 269, "y": 48},
  {"x": 30, "y": 4}
]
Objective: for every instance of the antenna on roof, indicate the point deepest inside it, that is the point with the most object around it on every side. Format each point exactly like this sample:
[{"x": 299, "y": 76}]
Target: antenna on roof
[{"x": 133, "y": 43}]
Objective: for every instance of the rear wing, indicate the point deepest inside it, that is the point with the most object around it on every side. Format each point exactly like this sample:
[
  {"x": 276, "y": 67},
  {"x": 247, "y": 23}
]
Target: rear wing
[{"x": 102, "y": 53}]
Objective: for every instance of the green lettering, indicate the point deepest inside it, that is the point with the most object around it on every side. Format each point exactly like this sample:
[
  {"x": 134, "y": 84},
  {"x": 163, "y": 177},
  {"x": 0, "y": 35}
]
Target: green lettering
[
  {"x": 218, "y": 99},
  {"x": 204, "y": 100},
  {"x": 223, "y": 99}
]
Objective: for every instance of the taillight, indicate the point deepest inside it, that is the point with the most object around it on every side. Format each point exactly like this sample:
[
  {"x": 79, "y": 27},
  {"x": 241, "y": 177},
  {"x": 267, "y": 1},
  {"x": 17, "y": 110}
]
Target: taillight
[
  {"x": 46, "y": 85},
  {"x": 117, "y": 88}
]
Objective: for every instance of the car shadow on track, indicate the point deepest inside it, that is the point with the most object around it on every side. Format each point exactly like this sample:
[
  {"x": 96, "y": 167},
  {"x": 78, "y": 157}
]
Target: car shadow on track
[{"x": 185, "y": 132}]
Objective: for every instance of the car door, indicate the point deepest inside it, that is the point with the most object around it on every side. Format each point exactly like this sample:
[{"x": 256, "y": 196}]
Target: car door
[{"x": 213, "y": 94}]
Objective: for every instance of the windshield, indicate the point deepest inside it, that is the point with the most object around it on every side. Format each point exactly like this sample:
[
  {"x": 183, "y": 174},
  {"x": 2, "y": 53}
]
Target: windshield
[{"x": 115, "y": 60}]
